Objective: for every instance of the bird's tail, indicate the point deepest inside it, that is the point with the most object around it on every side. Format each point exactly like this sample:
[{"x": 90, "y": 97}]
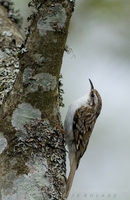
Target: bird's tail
[{"x": 71, "y": 176}]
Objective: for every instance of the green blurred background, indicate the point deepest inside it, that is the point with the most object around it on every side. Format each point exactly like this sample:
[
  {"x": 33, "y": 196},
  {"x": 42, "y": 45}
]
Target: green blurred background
[{"x": 99, "y": 42}]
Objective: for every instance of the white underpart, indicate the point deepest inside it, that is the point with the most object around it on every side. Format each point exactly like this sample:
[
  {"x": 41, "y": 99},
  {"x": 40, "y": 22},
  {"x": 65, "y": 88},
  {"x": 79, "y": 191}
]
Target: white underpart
[{"x": 68, "y": 124}]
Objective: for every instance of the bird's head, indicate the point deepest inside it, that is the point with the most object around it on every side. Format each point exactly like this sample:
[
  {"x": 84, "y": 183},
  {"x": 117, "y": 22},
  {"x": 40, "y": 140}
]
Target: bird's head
[{"x": 95, "y": 98}]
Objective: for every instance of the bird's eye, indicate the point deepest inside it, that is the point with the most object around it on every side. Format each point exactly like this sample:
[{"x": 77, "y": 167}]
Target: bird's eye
[{"x": 92, "y": 95}]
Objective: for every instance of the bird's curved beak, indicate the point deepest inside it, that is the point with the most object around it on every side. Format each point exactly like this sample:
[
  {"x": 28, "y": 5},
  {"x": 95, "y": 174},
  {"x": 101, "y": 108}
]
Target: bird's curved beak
[{"x": 92, "y": 87}]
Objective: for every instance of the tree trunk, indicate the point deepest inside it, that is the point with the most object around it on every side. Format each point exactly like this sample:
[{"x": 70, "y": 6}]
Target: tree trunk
[{"x": 32, "y": 152}]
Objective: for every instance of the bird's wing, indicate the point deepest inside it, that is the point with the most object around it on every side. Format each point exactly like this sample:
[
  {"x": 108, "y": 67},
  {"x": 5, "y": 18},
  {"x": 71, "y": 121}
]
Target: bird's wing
[{"x": 83, "y": 124}]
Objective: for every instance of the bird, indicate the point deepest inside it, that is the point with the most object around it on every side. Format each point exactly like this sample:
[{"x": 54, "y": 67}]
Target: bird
[{"x": 78, "y": 126}]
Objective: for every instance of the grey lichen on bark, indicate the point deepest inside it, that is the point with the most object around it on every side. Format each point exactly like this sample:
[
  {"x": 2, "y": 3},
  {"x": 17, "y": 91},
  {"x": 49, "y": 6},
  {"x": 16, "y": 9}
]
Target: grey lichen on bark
[
  {"x": 10, "y": 37},
  {"x": 32, "y": 152}
]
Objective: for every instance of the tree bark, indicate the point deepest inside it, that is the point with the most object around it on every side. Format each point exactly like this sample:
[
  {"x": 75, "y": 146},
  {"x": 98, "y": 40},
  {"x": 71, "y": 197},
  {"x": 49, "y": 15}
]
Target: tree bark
[{"x": 32, "y": 152}]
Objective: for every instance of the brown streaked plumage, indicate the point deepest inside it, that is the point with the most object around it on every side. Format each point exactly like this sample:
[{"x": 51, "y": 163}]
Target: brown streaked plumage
[{"x": 79, "y": 124}]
